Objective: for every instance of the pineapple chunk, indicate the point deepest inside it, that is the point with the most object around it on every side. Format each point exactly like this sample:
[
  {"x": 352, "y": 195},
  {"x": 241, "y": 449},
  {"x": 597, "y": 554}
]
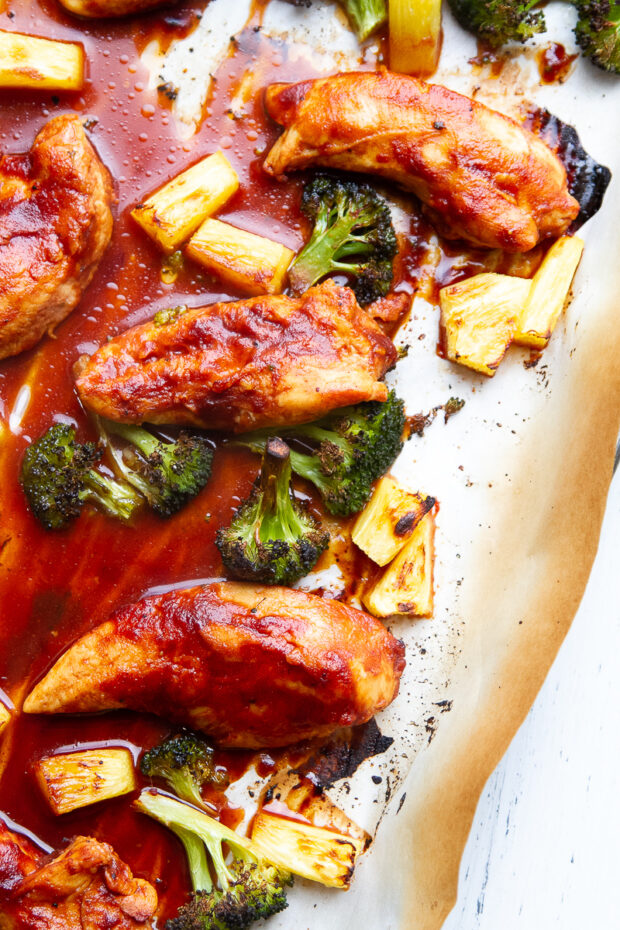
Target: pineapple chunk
[
  {"x": 76, "y": 779},
  {"x": 28, "y": 61},
  {"x": 406, "y": 587},
  {"x": 312, "y": 852},
  {"x": 548, "y": 292},
  {"x": 5, "y": 716},
  {"x": 388, "y": 520},
  {"x": 251, "y": 263},
  {"x": 175, "y": 211},
  {"x": 415, "y": 35},
  {"x": 480, "y": 318}
]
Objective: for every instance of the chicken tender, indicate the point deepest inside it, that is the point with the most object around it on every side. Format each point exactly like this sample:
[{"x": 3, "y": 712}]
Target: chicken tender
[
  {"x": 251, "y": 666},
  {"x": 85, "y": 887},
  {"x": 55, "y": 224},
  {"x": 242, "y": 365},
  {"x": 481, "y": 176}
]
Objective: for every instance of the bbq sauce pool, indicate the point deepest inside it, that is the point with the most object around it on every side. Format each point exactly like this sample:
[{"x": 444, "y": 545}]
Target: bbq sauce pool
[{"x": 54, "y": 586}]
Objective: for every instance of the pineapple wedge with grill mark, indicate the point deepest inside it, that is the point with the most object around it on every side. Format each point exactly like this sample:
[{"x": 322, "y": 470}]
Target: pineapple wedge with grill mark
[
  {"x": 388, "y": 520},
  {"x": 76, "y": 779},
  {"x": 36, "y": 63},
  {"x": 415, "y": 35},
  {"x": 406, "y": 586},
  {"x": 317, "y": 853},
  {"x": 175, "y": 211},
  {"x": 480, "y": 317},
  {"x": 549, "y": 291},
  {"x": 251, "y": 263},
  {"x": 5, "y": 716}
]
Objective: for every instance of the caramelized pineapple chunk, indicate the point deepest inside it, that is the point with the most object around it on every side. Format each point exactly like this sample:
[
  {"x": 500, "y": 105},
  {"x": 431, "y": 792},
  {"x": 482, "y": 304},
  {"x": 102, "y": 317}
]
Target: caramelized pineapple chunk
[
  {"x": 316, "y": 853},
  {"x": 175, "y": 211},
  {"x": 480, "y": 318},
  {"x": 28, "y": 61},
  {"x": 415, "y": 35},
  {"x": 76, "y": 779},
  {"x": 548, "y": 292},
  {"x": 388, "y": 520},
  {"x": 5, "y": 716},
  {"x": 406, "y": 586},
  {"x": 251, "y": 263}
]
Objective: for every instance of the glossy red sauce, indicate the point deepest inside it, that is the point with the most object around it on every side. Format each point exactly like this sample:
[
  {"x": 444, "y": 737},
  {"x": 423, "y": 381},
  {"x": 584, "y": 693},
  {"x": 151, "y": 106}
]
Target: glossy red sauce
[
  {"x": 554, "y": 63},
  {"x": 56, "y": 585}
]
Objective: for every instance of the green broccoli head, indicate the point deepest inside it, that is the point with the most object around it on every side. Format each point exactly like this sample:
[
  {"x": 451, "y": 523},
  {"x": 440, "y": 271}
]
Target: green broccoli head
[
  {"x": 169, "y": 474},
  {"x": 186, "y": 763},
  {"x": 254, "y": 894},
  {"x": 499, "y": 21},
  {"x": 247, "y": 889},
  {"x": 273, "y": 539},
  {"x": 58, "y": 479},
  {"x": 598, "y": 32},
  {"x": 352, "y": 234},
  {"x": 356, "y": 445},
  {"x": 365, "y": 15}
]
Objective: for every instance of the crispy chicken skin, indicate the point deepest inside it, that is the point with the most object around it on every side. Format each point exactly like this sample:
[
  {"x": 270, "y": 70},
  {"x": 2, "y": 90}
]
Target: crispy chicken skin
[
  {"x": 85, "y": 887},
  {"x": 55, "y": 224},
  {"x": 480, "y": 175},
  {"x": 251, "y": 666},
  {"x": 107, "y": 8},
  {"x": 242, "y": 365}
]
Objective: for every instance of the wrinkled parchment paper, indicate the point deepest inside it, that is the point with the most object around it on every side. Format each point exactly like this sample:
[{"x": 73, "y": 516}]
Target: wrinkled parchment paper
[{"x": 521, "y": 475}]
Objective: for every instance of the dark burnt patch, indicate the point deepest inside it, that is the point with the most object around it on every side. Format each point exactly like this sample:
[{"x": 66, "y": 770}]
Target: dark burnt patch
[
  {"x": 344, "y": 753},
  {"x": 587, "y": 179}
]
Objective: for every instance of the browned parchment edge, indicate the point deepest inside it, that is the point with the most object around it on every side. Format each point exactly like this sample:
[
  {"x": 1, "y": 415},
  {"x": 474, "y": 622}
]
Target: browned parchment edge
[{"x": 541, "y": 550}]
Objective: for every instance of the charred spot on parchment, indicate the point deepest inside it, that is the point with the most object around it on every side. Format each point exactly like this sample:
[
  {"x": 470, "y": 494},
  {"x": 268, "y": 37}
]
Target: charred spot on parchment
[
  {"x": 587, "y": 180},
  {"x": 344, "y": 753}
]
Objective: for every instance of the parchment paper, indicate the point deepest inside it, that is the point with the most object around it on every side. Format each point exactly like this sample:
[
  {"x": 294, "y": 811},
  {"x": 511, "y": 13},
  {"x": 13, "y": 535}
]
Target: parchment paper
[{"x": 521, "y": 475}]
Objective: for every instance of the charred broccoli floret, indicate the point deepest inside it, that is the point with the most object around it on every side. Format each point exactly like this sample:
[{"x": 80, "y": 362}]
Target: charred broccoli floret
[
  {"x": 58, "y": 478},
  {"x": 273, "y": 539},
  {"x": 353, "y": 447},
  {"x": 186, "y": 763},
  {"x": 168, "y": 474},
  {"x": 499, "y": 21},
  {"x": 247, "y": 889},
  {"x": 352, "y": 234},
  {"x": 598, "y": 32},
  {"x": 365, "y": 15}
]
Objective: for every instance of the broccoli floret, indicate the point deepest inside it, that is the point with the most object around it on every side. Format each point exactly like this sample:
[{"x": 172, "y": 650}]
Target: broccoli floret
[
  {"x": 352, "y": 234},
  {"x": 499, "y": 21},
  {"x": 273, "y": 539},
  {"x": 168, "y": 474},
  {"x": 354, "y": 447},
  {"x": 58, "y": 479},
  {"x": 247, "y": 889},
  {"x": 365, "y": 15},
  {"x": 598, "y": 32},
  {"x": 186, "y": 763}
]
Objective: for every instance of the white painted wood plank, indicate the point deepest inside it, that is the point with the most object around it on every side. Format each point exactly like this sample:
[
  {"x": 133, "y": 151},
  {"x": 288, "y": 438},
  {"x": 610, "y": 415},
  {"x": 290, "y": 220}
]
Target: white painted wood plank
[{"x": 544, "y": 847}]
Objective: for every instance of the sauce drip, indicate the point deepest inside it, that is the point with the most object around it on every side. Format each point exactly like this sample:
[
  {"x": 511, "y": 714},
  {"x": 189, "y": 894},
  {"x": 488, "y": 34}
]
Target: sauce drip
[{"x": 554, "y": 63}]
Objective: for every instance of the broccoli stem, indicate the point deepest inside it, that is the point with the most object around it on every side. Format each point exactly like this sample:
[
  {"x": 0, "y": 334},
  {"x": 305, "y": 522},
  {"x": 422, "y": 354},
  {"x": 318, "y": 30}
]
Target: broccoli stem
[
  {"x": 136, "y": 435},
  {"x": 366, "y": 15},
  {"x": 277, "y": 518},
  {"x": 317, "y": 258},
  {"x": 177, "y": 815},
  {"x": 196, "y": 859},
  {"x": 117, "y": 498}
]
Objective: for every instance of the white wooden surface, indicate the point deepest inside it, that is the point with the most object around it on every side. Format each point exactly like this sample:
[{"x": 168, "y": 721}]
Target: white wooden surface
[{"x": 544, "y": 849}]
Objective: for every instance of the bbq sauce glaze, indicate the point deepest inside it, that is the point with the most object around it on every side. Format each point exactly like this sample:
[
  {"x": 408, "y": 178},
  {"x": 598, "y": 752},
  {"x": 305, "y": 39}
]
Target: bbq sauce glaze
[{"x": 54, "y": 586}]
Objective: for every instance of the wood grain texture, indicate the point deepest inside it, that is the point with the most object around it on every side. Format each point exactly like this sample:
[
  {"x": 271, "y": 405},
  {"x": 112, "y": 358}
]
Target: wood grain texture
[{"x": 543, "y": 847}]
